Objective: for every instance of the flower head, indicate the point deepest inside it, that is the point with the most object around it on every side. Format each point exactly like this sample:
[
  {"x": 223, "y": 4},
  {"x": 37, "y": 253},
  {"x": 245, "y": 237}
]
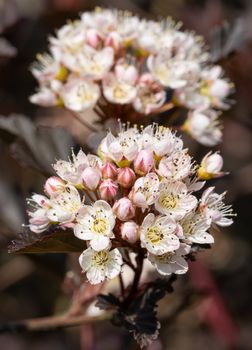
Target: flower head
[
  {"x": 171, "y": 262},
  {"x": 102, "y": 264},
  {"x": 65, "y": 205},
  {"x": 195, "y": 227},
  {"x": 177, "y": 166},
  {"x": 95, "y": 223},
  {"x": 145, "y": 190},
  {"x": 204, "y": 127},
  {"x": 157, "y": 234},
  {"x": 174, "y": 200},
  {"x": 79, "y": 95},
  {"x": 213, "y": 204}
]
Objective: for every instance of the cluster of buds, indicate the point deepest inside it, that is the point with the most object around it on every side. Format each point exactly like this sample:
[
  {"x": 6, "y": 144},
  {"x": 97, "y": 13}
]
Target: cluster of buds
[
  {"x": 114, "y": 57},
  {"x": 140, "y": 195}
]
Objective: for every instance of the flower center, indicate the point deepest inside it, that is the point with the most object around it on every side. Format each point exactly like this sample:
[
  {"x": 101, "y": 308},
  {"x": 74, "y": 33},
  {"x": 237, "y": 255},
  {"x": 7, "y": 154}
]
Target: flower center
[
  {"x": 100, "y": 258},
  {"x": 119, "y": 92},
  {"x": 154, "y": 235},
  {"x": 168, "y": 201},
  {"x": 165, "y": 258},
  {"x": 100, "y": 225},
  {"x": 188, "y": 228}
]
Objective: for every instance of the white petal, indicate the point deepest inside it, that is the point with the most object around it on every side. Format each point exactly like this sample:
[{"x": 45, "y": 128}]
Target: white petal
[
  {"x": 99, "y": 242},
  {"x": 202, "y": 238},
  {"x": 82, "y": 233},
  {"x": 95, "y": 275},
  {"x": 85, "y": 259}
]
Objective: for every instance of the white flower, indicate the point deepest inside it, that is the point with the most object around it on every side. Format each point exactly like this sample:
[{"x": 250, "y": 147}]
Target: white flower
[
  {"x": 171, "y": 262},
  {"x": 150, "y": 95},
  {"x": 46, "y": 69},
  {"x": 121, "y": 149},
  {"x": 95, "y": 224},
  {"x": 214, "y": 87},
  {"x": 171, "y": 71},
  {"x": 209, "y": 91},
  {"x": 195, "y": 226},
  {"x": 191, "y": 98},
  {"x": 65, "y": 205},
  {"x": 78, "y": 94},
  {"x": 68, "y": 42},
  {"x": 127, "y": 27},
  {"x": 45, "y": 97},
  {"x": 204, "y": 127},
  {"x": 145, "y": 190},
  {"x": 72, "y": 171},
  {"x": 120, "y": 87},
  {"x": 213, "y": 203},
  {"x": 104, "y": 20},
  {"x": 94, "y": 64},
  {"x": 177, "y": 166},
  {"x": 100, "y": 265},
  {"x": 160, "y": 139},
  {"x": 174, "y": 199},
  {"x": 149, "y": 34},
  {"x": 39, "y": 221},
  {"x": 157, "y": 234}
]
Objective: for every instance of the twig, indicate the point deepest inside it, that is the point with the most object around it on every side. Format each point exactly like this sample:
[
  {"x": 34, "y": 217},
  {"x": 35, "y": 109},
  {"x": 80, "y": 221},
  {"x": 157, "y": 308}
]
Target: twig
[
  {"x": 121, "y": 285},
  {"x": 138, "y": 272},
  {"x": 51, "y": 323}
]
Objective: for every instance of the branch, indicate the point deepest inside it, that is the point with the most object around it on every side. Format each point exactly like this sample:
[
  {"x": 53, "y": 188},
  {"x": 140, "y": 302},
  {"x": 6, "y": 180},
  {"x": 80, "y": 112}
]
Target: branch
[{"x": 51, "y": 323}]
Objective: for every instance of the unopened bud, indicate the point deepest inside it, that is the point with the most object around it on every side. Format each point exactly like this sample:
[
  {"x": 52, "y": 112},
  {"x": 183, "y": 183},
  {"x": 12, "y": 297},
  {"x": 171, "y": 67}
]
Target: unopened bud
[
  {"x": 144, "y": 162},
  {"x": 91, "y": 178},
  {"x": 129, "y": 231},
  {"x": 93, "y": 38},
  {"x": 211, "y": 166},
  {"x": 124, "y": 209},
  {"x": 126, "y": 177},
  {"x": 109, "y": 171},
  {"x": 53, "y": 184},
  {"x": 108, "y": 189}
]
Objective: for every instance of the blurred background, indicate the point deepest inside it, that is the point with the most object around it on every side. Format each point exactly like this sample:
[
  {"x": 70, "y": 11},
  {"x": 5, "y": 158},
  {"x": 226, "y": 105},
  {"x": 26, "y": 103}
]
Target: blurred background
[{"x": 31, "y": 285}]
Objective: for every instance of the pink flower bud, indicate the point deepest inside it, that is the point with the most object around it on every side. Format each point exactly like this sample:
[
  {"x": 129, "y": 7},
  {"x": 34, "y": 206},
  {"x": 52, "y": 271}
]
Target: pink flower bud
[
  {"x": 124, "y": 209},
  {"x": 144, "y": 162},
  {"x": 53, "y": 184},
  {"x": 129, "y": 231},
  {"x": 109, "y": 171},
  {"x": 90, "y": 178},
  {"x": 126, "y": 177},
  {"x": 108, "y": 189},
  {"x": 93, "y": 38}
]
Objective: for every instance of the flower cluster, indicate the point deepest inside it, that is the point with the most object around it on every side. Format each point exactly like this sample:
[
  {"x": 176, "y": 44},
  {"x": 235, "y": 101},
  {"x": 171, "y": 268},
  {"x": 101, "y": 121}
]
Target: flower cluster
[
  {"x": 114, "y": 57},
  {"x": 140, "y": 195}
]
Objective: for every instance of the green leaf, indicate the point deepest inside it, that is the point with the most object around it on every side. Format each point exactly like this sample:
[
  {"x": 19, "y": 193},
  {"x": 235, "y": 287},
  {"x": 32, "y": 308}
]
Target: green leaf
[{"x": 59, "y": 241}]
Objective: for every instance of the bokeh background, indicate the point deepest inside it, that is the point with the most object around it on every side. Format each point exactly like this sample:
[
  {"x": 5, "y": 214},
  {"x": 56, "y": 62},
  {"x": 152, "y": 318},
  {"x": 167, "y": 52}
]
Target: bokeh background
[{"x": 218, "y": 314}]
